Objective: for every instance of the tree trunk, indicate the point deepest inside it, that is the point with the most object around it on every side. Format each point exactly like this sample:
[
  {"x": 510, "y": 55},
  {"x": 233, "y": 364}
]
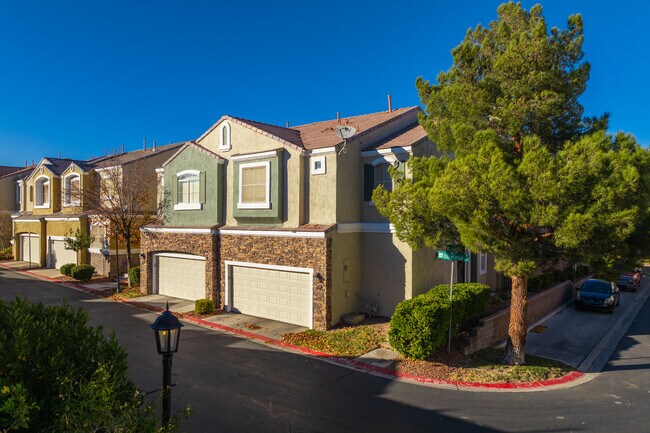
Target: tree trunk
[
  {"x": 518, "y": 328},
  {"x": 128, "y": 252}
]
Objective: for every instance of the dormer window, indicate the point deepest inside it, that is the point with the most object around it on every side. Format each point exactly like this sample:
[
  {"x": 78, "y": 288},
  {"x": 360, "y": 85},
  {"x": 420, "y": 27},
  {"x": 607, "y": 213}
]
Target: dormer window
[
  {"x": 71, "y": 190},
  {"x": 42, "y": 186},
  {"x": 188, "y": 190},
  {"x": 224, "y": 137}
]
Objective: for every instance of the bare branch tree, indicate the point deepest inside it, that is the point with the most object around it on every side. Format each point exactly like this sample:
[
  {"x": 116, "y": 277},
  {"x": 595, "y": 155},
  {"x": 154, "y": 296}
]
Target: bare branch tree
[{"x": 123, "y": 197}]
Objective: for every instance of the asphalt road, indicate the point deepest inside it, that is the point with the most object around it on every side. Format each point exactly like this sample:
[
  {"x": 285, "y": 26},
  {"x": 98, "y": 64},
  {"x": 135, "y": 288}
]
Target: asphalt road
[{"x": 236, "y": 385}]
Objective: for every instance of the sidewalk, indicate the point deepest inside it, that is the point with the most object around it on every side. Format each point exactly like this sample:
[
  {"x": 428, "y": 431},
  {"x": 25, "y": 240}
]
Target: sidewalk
[{"x": 582, "y": 339}]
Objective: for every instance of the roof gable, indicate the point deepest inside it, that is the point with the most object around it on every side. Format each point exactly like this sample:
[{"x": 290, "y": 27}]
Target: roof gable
[
  {"x": 195, "y": 146},
  {"x": 286, "y": 136}
]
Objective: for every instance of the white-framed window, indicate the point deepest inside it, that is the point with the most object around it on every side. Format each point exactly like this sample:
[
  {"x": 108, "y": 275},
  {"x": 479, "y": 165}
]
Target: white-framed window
[
  {"x": 318, "y": 165},
  {"x": 255, "y": 185},
  {"x": 19, "y": 193},
  {"x": 42, "y": 187},
  {"x": 482, "y": 263},
  {"x": 224, "y": 137},
  {"x": 71, "y": 190},
  {"x": 382, "y": 177},
  {"x": 375, "y": 174},
  {"x": 188, "y": 190}
]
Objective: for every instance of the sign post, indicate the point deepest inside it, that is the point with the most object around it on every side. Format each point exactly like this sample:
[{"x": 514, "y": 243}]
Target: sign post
[{"x": 453, "y": 253}]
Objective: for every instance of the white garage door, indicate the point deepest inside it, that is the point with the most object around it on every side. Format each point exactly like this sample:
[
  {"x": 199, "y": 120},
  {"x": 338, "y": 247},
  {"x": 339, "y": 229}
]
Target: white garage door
[
  {"x": 58, "y": 255},
  {"x": 30, "y": 247},
  {"x": 181, "y": 276},
  {"x": 272, "y": 294}
]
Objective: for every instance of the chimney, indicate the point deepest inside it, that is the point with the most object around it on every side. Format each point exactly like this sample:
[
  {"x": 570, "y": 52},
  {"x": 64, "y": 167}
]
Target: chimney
[
  {"x": 287, "y": 123},
  {"x": 154, "y": 145},
  {"x": 390, "y": 104},
  {"x": 338, "y": 117},
  {"x": 144, "y": 146},
  {"x": 122, "y": 147}
]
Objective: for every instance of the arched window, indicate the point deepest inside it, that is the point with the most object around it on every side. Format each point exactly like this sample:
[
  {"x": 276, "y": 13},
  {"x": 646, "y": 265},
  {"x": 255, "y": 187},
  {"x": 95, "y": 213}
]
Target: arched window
[
  {"x": 72, "y": 192},
  {"x": 42, "y": 186},
  {"x": 224, "y": 137},
  {"x": 382, "y": 177},
  {"x": 188, "y": 187}
]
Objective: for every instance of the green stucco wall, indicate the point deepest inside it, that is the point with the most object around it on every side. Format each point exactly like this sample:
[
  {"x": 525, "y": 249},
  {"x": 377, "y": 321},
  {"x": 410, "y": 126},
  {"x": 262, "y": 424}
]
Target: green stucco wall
[{"x": 211, "y": 212}]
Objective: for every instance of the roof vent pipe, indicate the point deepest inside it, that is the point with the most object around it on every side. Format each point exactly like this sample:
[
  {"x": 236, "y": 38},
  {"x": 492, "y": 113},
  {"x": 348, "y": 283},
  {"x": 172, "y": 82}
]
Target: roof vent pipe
[
  {"x": 338, "y": 117},
  {"x": 58, "y": 155},
  {"x": 287, "y": 123},
  {"x": 144, "y": 141},
  {"x": 390, "y": 104},
  {"x": 25, "y": 163},
  {"x": 154, "y": 145},
  {"x": 122, "y": 147}
]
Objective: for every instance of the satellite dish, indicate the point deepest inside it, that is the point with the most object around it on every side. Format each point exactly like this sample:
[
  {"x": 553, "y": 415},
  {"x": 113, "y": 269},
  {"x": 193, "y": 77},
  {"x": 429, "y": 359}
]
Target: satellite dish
[{"x": 345, "y": 131}]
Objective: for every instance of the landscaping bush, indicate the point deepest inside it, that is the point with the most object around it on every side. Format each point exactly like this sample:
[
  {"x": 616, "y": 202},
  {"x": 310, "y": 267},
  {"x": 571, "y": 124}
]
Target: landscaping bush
[
  {"x": 67, "y": 269},
  {"x": 83, "y": 273},
  {"x": 6, "y": 254},
  {"x": 419, "y": 326},
  {"x": 134, "y": 276},
  {"x": 57, "y": 374},
  {"x": 203, "y": 306}
]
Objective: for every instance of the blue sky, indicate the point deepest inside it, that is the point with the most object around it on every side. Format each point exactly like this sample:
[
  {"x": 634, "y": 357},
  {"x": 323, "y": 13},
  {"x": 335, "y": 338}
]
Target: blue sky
[{"x": 81, "y": 78}]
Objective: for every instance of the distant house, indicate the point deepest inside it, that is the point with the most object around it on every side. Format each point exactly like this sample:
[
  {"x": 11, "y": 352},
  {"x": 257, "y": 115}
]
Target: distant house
[{"x": 278, "y": 222}]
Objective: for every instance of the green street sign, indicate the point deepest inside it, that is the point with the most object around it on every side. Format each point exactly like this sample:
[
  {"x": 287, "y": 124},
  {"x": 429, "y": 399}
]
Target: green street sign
[
  {"x": 446, "y": 255},
  {"x": 459, "y": 249}
]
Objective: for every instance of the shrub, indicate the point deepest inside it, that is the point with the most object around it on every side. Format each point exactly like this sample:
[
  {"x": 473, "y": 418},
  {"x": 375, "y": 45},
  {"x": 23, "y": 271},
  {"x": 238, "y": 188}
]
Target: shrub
[
  {"x": 57, "y": 374},
  {"x": 419, "y": 326},
  {"x": 203, "y": 306},
  {"x": 134, "y": 276},
  {"x": 67, "y": 269},
  {"x": 83, "y": 273}
]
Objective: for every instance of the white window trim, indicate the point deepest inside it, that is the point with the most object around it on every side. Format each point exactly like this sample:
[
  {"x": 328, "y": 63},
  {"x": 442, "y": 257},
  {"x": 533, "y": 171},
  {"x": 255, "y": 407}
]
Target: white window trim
[
  {"x": 267, "y": 201},
  {"x": 382, "y": 160},
  {"x": 222, "y": 145},
  {"x": 67, "y": 203},
  {"x": 482, "y": 263},
  {"x": 188, "y": 206},
  {"x": 45, "y": 204},
  {"x": 313, "y": 161}
]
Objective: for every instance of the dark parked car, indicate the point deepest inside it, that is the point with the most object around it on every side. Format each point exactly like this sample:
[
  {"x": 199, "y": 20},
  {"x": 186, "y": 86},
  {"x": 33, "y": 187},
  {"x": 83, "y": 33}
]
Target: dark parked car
[
  {"x": 628, "y": 282},
  {"x": 598, "y": 294}
]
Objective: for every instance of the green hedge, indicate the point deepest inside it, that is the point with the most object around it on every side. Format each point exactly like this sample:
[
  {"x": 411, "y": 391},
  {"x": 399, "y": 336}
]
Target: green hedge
[
  {"x": 67, "y": 269},
  {"x": 83, "y": 273},
  {"x": 134, "y": 276},
  {"x": 203, "y": 306},
  {"x": 420, "y": 326},
  {"x": 57, "y": 374}
]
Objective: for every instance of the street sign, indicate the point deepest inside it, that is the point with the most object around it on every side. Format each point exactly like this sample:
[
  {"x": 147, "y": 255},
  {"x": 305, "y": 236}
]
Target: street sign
[
  {"x": 445, "y": 255},
  {"x": 459, "y": 249}
]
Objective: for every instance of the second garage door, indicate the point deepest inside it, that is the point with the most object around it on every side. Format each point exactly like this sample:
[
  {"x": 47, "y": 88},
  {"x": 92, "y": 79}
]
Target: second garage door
[
  {"x": 59, "y": 256},
  {"x": 272, "y": 294},
  {"x": 180, "y": 276}
]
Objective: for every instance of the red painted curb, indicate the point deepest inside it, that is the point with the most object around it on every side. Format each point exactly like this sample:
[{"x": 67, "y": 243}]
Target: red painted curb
[
  {"x": 33, "y": 274},
  {"x": 369, "y": 368}
]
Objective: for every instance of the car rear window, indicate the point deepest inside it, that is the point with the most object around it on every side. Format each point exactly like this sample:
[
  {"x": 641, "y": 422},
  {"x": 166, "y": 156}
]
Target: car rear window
[{"x": 597, "y": 287}]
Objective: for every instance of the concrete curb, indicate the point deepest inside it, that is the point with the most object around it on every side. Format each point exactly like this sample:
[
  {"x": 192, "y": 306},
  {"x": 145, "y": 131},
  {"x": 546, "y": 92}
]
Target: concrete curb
[{"x": 572, "y": 379}]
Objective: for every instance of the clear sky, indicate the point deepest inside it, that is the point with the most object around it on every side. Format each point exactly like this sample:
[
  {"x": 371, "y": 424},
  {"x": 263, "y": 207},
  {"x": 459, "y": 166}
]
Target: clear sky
[{"x": 81, "y": 78}]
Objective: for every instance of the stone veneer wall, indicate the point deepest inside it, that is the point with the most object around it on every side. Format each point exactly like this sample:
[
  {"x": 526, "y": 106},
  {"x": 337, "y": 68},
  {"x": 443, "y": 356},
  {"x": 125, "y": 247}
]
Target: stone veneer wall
[
  {"x": 314, "y": 253},
  {"x": 202, "y": 244}
]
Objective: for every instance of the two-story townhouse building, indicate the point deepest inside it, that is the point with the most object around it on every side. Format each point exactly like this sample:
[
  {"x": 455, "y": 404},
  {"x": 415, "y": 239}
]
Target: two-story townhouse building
[
  {"x": 278, "y": 222},
  {"x": 11, "y": 196},
  {"x": 55, "y": 205}
]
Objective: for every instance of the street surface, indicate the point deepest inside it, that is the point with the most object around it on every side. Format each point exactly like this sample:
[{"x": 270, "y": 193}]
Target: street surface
[{"x": 236, "y": 385}]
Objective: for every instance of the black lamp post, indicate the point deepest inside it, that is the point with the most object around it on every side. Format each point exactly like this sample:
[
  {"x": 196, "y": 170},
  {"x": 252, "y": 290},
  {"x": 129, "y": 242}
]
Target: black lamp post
[{"x": 167, "y": 330}]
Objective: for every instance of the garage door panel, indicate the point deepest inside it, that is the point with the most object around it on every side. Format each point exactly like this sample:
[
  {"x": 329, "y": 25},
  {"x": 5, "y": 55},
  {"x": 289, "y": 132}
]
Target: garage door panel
[
  {"x": 30, "y": 244},
  {"x": 180, "y": 277},
  {"x": 59, "y": 256},
  {"x": 273, "y": 294}
]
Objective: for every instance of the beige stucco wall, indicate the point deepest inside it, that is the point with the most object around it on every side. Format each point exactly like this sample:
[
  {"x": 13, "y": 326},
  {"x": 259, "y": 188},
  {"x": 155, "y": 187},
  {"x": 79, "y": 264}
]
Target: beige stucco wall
[
  {"x": 321, "y": 200},
  {"x": 346, "y": 283},
  {"x": 7, "y": 194},
  {"x": 84, "y": 181},
  {"x": 244, "y": 141},
  {"x": 387, "y": 271},
  {"x": 55, "y": 191},
  {"x": 428, "y": 271}
]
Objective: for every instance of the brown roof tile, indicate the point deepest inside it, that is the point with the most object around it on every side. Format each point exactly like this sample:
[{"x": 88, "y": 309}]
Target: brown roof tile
[{"x": 406, "y": 137}]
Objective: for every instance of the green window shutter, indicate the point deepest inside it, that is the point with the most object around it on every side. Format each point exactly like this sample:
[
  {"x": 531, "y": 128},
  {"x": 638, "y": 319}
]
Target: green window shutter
[
  {"x": 174, "y": 189},
  {"x": 202, "y": 187},
  {"x": 31, "y": 193},
  {"x": 368, "y": 181},
  {"x": 402, "y": 167}
]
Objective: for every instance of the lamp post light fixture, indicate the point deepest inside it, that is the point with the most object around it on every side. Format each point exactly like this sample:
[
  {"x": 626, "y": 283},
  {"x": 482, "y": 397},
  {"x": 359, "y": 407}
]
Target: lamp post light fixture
[{"x": 167, "y": 330}]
